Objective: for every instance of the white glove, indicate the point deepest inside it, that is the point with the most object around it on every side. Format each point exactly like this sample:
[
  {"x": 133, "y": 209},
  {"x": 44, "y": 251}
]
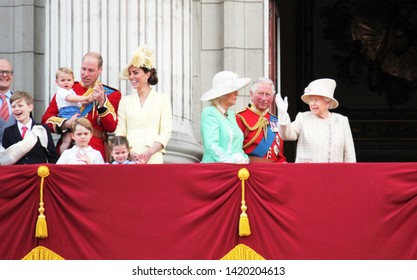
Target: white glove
[
  {"x": 282, "y": 107},
  {"x": 40, "y": 132},
  {"x": 15, "y": 152}
]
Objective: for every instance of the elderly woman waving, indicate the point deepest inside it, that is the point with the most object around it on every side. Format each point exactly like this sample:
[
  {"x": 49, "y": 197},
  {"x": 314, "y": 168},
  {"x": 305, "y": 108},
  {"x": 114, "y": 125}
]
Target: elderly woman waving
[
  {"x": 323, "y": 136},
  {"x": 222, "y": 137}
]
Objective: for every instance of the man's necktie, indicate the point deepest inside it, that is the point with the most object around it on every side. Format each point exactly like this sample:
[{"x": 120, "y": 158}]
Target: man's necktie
[
  {"x": 24, "y": 129},
  {"x": 4, "y": 109}
]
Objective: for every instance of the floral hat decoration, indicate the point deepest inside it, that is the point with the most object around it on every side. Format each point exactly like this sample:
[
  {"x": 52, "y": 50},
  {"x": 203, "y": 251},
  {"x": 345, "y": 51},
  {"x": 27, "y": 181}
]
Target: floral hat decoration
[{"x": 142, "y": 57}]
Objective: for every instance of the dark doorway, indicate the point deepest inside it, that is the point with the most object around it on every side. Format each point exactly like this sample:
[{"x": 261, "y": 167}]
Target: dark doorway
[{"x": 370, "y": 48}]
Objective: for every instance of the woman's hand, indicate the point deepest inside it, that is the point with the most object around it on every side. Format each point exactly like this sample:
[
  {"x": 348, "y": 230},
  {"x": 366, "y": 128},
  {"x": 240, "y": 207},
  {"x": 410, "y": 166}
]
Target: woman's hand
[
  {"x": 282, "y": 105},
  {"x": 138, "y": 158},
  {"x": 146, "y": 155}
]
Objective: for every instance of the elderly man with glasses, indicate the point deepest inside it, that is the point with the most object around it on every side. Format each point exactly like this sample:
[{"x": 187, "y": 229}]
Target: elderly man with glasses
[{"x": 6, "y": 78}]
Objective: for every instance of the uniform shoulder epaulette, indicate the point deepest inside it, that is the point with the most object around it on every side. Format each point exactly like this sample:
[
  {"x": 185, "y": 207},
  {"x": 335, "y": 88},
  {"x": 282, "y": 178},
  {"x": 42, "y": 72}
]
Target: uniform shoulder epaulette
[
  {"x": 242, "y": 110},
  {"x": 111, "y": 88},
  {"x": 105, "y": 86}
]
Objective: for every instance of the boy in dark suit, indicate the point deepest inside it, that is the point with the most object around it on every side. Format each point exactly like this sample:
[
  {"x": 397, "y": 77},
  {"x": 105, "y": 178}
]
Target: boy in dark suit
[{"x": 44, "y": 150}]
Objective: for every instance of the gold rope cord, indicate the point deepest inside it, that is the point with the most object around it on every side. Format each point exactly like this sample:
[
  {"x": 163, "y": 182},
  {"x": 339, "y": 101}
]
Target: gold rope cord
[
  {"x": 260, "y": 125},
  {"x": 90, "y": 91},
  {"x": 41, "y": 226},
  {"x": 244, "y": 227}
]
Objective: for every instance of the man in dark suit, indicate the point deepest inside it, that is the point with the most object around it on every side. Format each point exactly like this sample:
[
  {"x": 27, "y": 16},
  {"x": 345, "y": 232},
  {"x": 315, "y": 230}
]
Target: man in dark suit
[
  {"x": 44, "y": 150},
  {"x": 6, "y": 79}
]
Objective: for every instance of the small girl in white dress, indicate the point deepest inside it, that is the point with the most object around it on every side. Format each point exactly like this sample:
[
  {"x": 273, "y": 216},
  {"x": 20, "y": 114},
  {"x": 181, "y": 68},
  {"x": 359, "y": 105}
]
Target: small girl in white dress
[{"x": 120, "y": 150}]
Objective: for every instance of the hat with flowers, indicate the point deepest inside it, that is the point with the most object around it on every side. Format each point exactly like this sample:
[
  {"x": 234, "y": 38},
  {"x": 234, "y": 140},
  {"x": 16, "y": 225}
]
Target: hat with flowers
[{"x": 143, "y": 56}]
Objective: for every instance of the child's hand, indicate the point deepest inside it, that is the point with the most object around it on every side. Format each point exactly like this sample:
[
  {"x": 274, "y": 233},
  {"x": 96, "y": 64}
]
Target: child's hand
[
  {"x": 81, "y": 156},
  {"x": 90, "y": 98}
]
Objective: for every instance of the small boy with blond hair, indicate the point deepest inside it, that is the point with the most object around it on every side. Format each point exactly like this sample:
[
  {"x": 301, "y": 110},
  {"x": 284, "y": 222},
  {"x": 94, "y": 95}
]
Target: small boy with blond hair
[{"x": 68, "y": 102}]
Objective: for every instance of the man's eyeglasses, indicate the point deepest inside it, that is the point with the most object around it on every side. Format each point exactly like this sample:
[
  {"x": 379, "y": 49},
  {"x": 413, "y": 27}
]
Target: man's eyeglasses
[{"x": 7, "y": 72}]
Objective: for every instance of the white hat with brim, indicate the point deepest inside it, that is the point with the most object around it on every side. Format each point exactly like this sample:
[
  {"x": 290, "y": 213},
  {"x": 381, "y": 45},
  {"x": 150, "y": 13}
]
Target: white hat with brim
[
  {"x": 223, "y": 83},
  {"x": 321, "y": 87}
]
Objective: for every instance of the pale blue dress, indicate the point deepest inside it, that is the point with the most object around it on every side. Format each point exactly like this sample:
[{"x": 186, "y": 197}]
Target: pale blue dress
[{"x": 222, "y": 137}]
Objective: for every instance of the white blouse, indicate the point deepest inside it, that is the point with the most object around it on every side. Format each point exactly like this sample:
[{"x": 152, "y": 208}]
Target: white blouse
[
  {"x": 320, "y": 140},
  {"x": 69, "y": 156}
]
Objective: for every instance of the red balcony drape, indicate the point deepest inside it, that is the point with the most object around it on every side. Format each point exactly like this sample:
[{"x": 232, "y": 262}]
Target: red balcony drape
[{"x": 191, "y": 211}]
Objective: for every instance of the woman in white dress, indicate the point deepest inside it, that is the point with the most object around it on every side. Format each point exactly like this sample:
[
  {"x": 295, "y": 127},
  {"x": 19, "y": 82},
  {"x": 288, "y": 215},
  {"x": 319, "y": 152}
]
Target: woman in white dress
[
  {"x": 323, "y": 136},
  {"x": 145, "y": 116}
]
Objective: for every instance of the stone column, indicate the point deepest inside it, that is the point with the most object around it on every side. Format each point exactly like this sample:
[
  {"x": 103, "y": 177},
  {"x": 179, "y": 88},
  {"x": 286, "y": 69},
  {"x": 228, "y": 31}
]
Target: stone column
[
  {"x": 230, "y": 35},
  {"x": 22, "y": 40}
]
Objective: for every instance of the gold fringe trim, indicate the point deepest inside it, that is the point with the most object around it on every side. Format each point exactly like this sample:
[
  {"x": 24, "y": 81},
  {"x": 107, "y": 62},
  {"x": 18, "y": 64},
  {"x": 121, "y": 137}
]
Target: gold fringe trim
[
  {"x": 260, "y": 125},
  {"x": 41, "y": 226},
  {"x": 42, "y": 253},
  {"x": 88, "y": 93},
  {"x": 110, "y": 110},
  {"x": 56, "y": 122},
  {"x": 242, "y": 252},
  {"x": 244, "y": 227}
]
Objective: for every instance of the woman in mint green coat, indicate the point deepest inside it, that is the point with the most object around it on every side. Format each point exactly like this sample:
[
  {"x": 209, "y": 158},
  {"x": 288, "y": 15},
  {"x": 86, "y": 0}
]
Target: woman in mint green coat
[{"x": 222, "y": 137}]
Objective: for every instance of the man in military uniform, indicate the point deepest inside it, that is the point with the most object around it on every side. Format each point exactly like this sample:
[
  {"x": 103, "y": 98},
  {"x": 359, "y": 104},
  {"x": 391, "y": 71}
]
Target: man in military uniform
[
  {"x": 260, "y": 142},
  {"x": 102, "y": 112}
]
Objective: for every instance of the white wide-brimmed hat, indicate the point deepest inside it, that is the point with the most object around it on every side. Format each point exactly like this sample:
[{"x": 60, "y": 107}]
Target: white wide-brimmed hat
[
  {"x": 321, "y": 87},
  {"x": 223, "y": 83},
  {"x": 142, "y": 57}
]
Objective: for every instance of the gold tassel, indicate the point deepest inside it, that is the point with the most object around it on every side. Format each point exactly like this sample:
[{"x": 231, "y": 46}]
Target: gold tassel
[
  {"x": 244, "y": 227},
  {"x": 41, "y": 226}
]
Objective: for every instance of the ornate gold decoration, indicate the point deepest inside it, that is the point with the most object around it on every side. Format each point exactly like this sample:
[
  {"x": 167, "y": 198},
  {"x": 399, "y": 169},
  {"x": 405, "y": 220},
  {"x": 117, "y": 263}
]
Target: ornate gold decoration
[
  {"x": 42, "y": 253},
  {"x": 260, "y": 125},
  {"x": 244, "y": 227},
  {"x": 242, "y": 252},
  {"x": 41, "y": 226}
]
